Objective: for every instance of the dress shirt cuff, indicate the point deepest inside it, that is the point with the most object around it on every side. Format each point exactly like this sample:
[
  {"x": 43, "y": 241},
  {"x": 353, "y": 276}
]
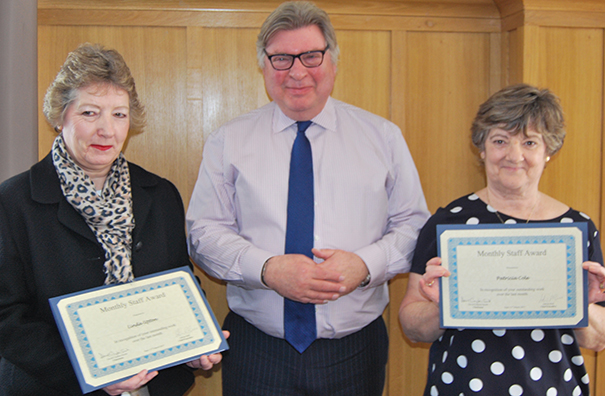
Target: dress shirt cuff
[
  {"x": 375, "y": 260},
  {"x": 252, "y": 266}
]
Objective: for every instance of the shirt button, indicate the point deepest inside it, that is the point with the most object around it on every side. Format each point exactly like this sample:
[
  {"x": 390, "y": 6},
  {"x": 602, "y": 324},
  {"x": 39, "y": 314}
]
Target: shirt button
[{"x": 138, "y": 246}]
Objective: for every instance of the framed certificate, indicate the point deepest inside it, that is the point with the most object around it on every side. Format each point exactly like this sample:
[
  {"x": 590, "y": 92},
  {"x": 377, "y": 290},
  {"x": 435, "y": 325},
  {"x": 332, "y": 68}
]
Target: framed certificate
[
  {"x": 514, "y": 275},
  {"x": 113, "y": 332}
]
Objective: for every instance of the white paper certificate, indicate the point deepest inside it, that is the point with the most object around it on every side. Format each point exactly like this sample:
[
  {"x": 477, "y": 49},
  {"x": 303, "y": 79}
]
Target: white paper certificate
[
  {"x": 112, "y": 333},
  {"x": 513, "y": 276}
]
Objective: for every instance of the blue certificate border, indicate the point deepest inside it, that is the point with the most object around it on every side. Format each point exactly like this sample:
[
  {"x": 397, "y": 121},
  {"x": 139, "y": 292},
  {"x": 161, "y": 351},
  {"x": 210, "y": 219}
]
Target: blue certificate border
[
  {"x": 74, "y": 321},
  {"x": 572, "y": 256}
]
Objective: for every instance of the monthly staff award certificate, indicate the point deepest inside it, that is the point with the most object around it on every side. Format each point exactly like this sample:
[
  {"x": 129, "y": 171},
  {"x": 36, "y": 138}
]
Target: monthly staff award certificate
[
  {"x": 514, "y": 276},
  {"x": 113, "y": 332}
]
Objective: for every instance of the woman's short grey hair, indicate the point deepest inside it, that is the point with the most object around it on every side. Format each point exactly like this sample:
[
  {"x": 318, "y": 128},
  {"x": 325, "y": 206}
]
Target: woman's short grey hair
[
  {"x": 518, "y": 108},
  {"x": 87, "y": 65},
  {"x": 294, "y": 15}
]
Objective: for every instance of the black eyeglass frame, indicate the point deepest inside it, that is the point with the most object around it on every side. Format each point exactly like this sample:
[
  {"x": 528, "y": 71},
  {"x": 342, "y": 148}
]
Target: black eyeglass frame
[{"x": 299, "y": 56}]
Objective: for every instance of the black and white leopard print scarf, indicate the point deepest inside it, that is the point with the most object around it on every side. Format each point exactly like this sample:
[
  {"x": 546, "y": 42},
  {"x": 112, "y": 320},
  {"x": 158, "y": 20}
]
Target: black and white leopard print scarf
[{"x": 108, "y": 214}]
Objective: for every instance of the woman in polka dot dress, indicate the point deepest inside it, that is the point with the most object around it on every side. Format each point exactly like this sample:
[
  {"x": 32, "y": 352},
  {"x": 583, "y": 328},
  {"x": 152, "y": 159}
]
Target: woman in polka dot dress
[{"x": 516, "y": 131}]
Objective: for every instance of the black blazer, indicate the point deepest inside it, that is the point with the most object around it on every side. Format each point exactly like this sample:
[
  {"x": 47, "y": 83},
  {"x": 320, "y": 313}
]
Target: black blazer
[{"x": 47, "y": 250}]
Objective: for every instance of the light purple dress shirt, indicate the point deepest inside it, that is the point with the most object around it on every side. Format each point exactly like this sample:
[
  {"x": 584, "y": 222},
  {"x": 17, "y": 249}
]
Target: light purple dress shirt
[{"x": 368, "y": 200}]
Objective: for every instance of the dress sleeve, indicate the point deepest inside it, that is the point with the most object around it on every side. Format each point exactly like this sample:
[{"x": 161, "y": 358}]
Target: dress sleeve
[
  {"x": 426, "y": 246},
  {"x": 594, "y": 249}
]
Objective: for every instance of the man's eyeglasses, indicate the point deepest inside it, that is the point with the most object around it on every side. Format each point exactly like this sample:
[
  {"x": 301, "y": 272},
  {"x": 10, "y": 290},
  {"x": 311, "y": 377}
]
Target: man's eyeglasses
[{"x": 286, "y": 61}]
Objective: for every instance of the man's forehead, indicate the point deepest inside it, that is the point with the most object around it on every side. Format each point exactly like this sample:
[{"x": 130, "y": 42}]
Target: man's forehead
[{"x": 303, "y": 39}]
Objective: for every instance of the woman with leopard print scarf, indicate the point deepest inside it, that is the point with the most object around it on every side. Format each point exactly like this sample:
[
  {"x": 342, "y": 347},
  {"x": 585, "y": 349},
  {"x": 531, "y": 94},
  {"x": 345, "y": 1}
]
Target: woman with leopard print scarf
[{"x": 72, "y": 222}]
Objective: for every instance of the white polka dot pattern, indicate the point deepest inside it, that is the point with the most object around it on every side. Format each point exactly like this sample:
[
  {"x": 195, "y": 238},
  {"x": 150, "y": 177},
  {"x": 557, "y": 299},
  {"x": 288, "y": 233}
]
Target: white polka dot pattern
[
  {"x": 478, "y": 346},
  {"x": 462, "y": 361},
  {"x": 555, "y": 356},
  {"x": 537, "y": 335},
  {"x": 552, "y": 392},
  {"x": 578, "y": 360},
  {"x": 476, "y": 384},
  {"x": 515, "y": 390},
  {"x": 535, "y": 373},
  {"x": 497, "y": 368},
  {"x": 577, "y": 391},
  {"x": 518, "y": 352}
]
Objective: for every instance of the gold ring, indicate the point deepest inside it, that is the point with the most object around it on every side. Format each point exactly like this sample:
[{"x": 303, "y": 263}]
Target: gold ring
[{"x": 430, "y": 283}]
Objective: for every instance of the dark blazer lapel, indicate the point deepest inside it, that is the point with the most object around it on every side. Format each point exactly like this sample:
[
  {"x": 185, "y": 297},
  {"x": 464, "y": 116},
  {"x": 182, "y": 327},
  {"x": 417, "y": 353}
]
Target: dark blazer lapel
[
  {"x": 46, "y": 189},
  {"x": 71, "y": 219},
  {"x": 141, "y": 200}
]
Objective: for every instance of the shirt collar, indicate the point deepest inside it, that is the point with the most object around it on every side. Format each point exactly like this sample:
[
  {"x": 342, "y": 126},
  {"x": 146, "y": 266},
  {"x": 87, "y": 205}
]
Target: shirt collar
[{"x": 326, "y": 119}]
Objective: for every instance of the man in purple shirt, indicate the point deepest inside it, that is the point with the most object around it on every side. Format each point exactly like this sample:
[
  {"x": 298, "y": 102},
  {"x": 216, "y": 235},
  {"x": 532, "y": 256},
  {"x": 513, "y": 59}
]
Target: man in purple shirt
[{"x": 368, "y": 208}]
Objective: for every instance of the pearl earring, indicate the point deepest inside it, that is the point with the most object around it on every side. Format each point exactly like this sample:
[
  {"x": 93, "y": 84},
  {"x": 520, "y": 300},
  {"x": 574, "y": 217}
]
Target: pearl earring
[{"x": 548, "y": 158}]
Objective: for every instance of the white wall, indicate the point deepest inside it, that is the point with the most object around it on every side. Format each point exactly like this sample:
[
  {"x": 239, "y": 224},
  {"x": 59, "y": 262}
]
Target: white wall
[{"x": 18, "y": 86}]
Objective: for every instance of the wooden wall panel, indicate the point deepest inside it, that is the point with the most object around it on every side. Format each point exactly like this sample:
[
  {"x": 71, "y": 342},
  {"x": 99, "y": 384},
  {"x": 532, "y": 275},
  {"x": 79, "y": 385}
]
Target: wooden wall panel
[
  {"x": 224, "y": 82},
  {"x": 405, "y": 359},
  {"x": 448, "y": 78},
  {"x": 481, "y": 9},
  {"x": 363, "y": 78},
  {"x": 571, "y": 65}
]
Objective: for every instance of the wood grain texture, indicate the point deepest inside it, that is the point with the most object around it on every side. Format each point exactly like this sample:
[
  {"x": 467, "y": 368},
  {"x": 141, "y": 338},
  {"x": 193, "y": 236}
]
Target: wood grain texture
[
  {"x": 236, "y": 19},
  {"x": 571, "y": 65},
  {"x": 455, "y": 8},
  {"x": 510, "y": 7},
  {"x": 447, "y": 78},
  {"x": 565, "y": 5},
  {"x": 562, "y": 18}
]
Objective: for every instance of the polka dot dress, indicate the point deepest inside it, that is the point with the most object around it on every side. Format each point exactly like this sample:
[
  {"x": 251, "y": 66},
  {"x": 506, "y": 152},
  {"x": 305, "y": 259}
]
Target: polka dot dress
[{"x": 531, "y": 362}]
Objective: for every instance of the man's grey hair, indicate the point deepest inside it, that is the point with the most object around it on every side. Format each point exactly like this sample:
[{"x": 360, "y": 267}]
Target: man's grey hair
[{"x": 294, "y": 15}]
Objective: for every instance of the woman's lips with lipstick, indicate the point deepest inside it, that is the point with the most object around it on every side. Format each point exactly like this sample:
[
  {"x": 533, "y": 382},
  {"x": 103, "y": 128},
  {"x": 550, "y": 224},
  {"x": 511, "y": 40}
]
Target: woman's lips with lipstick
[{"x": 101, "y": 147}]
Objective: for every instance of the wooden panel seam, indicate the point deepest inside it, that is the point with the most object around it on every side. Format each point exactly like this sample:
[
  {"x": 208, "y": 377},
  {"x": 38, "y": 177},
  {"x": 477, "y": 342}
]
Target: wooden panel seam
[
  {"x": 255, "y": 20},
  {"x": 447, "y": 8},
  {"x": 582, "y": 19},
  {"x": 513, "y": 21}
]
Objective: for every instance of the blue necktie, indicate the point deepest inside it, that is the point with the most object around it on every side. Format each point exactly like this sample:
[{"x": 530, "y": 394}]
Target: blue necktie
[{"x": 299, "y": 319}]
